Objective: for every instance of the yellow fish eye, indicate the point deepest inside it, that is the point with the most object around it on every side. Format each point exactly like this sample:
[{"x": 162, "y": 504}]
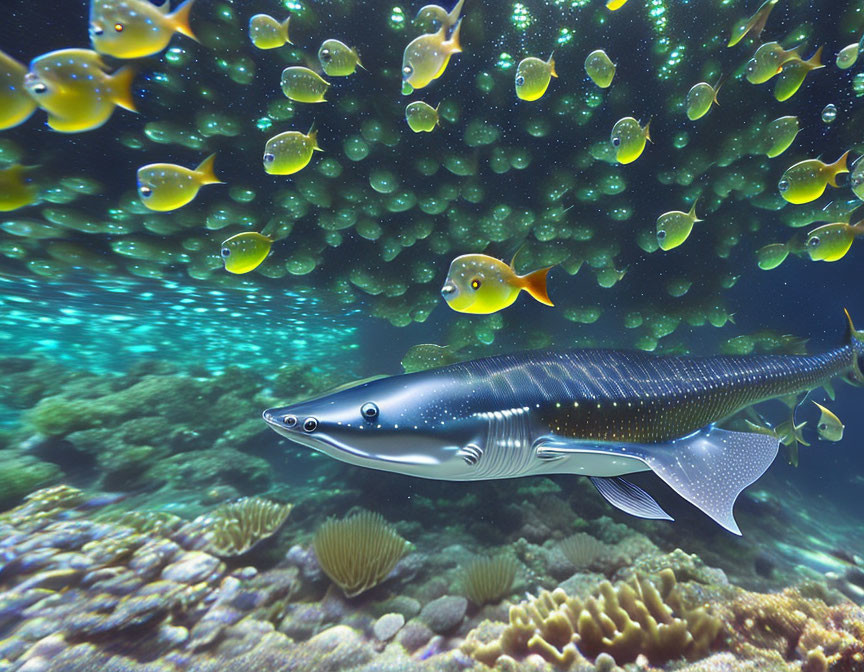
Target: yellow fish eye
[
  {"x": 520, "y": 80},
  {"x": 269, "y": 158},
  {"x": 118, "y": 27},
  {"x": 475, "y": 284},
  {"x": 225, "y": 252},
  {"x": 325, "y": 54},
  {"x": 814, "y": 241},
  {"x": 145, "y": 191},
  {"x": 407, "y": 70},
  {"x": 616, "y": 141},
  {"x": 39, "y": 88},
  {"x": 784, "y": 185},
  {"x": 661, "y": 234}
]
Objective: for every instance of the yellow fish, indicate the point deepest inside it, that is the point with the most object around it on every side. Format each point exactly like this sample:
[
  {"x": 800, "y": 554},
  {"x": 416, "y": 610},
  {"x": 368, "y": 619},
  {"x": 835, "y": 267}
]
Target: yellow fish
[
  {"x": 290, "y": 152},
  {"x": 166, "y": 186},
  {"x": 338, "y": 59},
  {"x": 700, "y": 98},
  {"x": 806, "y": 180},
  {"x": 16, "y": 189},
  {"x": 265, "y": 32},
  {"x": 829, "y": 428},
  {"x": 600, "y": 68},
  {"x": 426, "y": 57},
  {"x": 612, "y": 5},
  {"x": 16, "y": 105},
  {"x": 480, "y": 284},
  {"x": 771, "y": 256},
  {"x": 136, "y": 28},
  {"x": 794, "y": 72},
  {"x": 71, "y": 85},
  {"x": 245, "y": 252},
  {"x": 533, "y": 76},
  {"x": 673, "y": 228},
  {"x": 754, "y": 24},
  {"x": 780, "y": 134},
  {"x": 431, "y": 18},
  {"x": 303, "y": 85},
  {"x": 768, "y": 61},
  {"x": 831, "y": 242},
  {"x": 421, "y": 117},
  {"x": 628, "y": 139},
  {"x": 848, "y": 56}
]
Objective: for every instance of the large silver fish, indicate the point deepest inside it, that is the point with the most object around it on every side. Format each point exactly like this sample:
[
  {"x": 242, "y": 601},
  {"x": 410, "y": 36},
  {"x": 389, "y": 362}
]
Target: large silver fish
[{"x": 596, "y": 413}]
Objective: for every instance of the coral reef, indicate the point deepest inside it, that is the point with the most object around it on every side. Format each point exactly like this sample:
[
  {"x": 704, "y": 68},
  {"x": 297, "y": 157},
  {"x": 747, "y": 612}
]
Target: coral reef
[
  {"x": 489, "y": 579},
  {"x": 358, "y": 552},
  {"x": 632, "y": 619},
  {"x": 237, "y": 527}
]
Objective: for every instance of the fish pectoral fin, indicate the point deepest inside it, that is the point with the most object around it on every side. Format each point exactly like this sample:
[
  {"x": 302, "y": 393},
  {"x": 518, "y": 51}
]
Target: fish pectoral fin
[
  {"x": 711, "y": 467},
  {"x": 629, "y": 498}
]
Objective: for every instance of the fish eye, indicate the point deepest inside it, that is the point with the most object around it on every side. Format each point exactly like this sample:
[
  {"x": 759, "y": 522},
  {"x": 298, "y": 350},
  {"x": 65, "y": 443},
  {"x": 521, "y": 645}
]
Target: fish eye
[
  {"x": 661, "y": 234},
  {"x": 814, "y": 241},
  {"x": 369, "y": 410},
  {"x": 325, "y": 54},
  {"x": 520, "y": 80},
  {"x": 118, "y": 27},
  {"x": 269, "y": 158},
  {"x": 145, "y": 191},
  {"x": 616, "y": 141},
  {"x": 783, "y": 185},
  {"x": 310, "y": 425},
  {"x": 225, "y": 252},
  {"x": 823, "y": 426},
  {"x": 39, "y": 88},
  {"x": 289, "y": 420},
  {"x": 857, "y": 180},
  {"x": 407, "y": 71},
  {"x": 475, "y": 283}
]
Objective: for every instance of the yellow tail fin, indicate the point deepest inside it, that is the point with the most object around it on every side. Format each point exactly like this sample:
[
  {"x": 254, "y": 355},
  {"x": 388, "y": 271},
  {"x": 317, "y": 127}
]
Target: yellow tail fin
[
  {"x": 284, "y": 27},
  {"x": 455, "y": 46},
  {"x": 121, "y": 88},
  {"x": 206, "y": 174},
  {"x": 535, "y": 284},
  {"x": 179, "y": 19},
  {"x": 838, "y": 167}
]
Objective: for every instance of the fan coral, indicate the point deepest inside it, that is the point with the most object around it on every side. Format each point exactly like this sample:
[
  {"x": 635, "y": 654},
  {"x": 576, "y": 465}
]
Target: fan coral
[
  {"x": 237, "y": 527},
  {"x": 488, "y": 579},
  {"x": 358, "y": 553},
  {"x": 630, "y": 619},
  {"x": 583, "y": 550}
]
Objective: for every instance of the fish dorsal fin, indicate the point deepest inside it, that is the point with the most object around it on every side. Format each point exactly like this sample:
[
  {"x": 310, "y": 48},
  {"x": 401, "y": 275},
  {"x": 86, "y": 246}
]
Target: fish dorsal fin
[
  {"x": 711, "y": 467},
  {"x": 629, "y": 498}
]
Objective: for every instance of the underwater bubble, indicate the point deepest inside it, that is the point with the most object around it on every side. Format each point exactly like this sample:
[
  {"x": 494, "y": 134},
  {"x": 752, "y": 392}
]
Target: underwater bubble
[
  {"x": 426, "y": 165},
  {"x": 433, "y": 206},
  {"x": 280, "y": 110},
  {"x": 449, "y": 111},
  {"x": 355, "y": 148},
  {"x": 480, "y": 132},
  {"x": 300, "y": 263},
  {"x": 499, "y": 162},
  {"x": 520, "y": 159},
  {"x": 829, "y": 113},
  {"x": 620, "y": 213},
  {"x": 484, "y": 82},
  {"x": 372, "y": 130},
  {"x": 461, "y": 166},
  {"x": 383, "y": 181},
  {"x": 681, "y": 140},
  {"x": 404, "y": 200},
  {"x": 369, "y": 229},
  {"x": 241, "y": 194},
  {"x": 632, "y": 320},
  {"x": 329, "y": 167}
]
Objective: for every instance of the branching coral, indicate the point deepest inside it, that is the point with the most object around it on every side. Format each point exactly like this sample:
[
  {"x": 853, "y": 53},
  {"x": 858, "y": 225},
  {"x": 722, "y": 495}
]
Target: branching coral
[
  {"x": 630, "y": 619},
  {"x": 488, "y": 579},
  {"x": 358, "y": 553},
  {"x": 235, "y": 528}
]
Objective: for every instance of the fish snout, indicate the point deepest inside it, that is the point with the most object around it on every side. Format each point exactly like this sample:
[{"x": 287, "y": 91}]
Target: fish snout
[
  {"x": 280, "y": 419},
  {"x": 96, "y": 29},
  {"x": 449, "y": 291}
]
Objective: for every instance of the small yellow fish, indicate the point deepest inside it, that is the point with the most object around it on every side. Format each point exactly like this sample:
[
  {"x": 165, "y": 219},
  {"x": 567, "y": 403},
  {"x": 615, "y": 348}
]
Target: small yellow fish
[
  {"x": 829, "y": 428},
  {"x": 480, "y": 284},
  {"x": 612, "y": 5},
  {"x": 431, "y": 18},
  {"x": 806, "y": 180},
  {"x": 780, "y": 134},
  {"x": 136, "y": 28},
  {"x": 628, "y": 139},
  {"x": 794, "y": 72},
  {"x": 426, "y": 57},
  {"x": 754, "y": 24},
  {"x": 338, "y": 59},
  {"x": 700, "y": 98},
  {"x": 831, "y": 242},
  {"x": 71, "y": 85},
  {"x": 600, "y": 68},
  {"x": 16, "y": 105},
  {"x": 768, "y": 62},
  {"x": 265, "y": 32},
  {"x": 673, "y": 228},
  {"x": 245, "y": 252},
  {"x": 290, "y": 152},
  {"x": 771, "y": 256},
  {"x": 533, "y": 76},
  {"x": 303, "y": 85},
  {"x": 16, "y": 189},
  {"x": 166, "y": 186},
  {"x": 421, "y": 117}
]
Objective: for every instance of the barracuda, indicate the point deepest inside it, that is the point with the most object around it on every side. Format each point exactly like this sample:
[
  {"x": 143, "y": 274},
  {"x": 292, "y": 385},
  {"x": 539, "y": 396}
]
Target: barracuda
[{"x": 596, "y": 413}]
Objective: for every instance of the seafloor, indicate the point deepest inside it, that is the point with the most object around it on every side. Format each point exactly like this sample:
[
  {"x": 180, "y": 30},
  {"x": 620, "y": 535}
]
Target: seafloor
[{"x": 128, "y": 559}]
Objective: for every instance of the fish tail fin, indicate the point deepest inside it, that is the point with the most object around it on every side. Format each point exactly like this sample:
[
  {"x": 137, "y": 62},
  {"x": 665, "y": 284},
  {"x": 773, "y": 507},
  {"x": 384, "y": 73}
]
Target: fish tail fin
[
  {"x": 855, "y": 340},
  {"x": 284, "y": 28},
  {"x": 551, "y": 64},
  {"x": 313, "y": 136},
  {"x": 692, "y": 212},
  {"x": 647, "y": 132},
  {"x": 535, "y": 284},
  {"x": 455, "y": 13},
  {"x": 815, "y": 61},
  {"x": 121, "y": 88},
  {"x": 359, "y": 62},
  {"x": 719, "y": 85},
  {"x": 837, "y": 168},
  {"x": 455, "y": 45},
  {"x": 205, "y": 171},
  {"x": 180, "y": 19}
]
